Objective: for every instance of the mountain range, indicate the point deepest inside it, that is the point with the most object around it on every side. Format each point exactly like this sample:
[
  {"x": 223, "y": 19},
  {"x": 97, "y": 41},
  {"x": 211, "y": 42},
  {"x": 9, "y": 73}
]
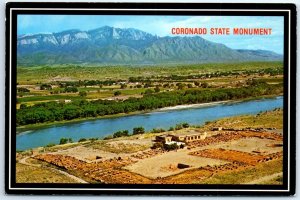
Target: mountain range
[{"x": 109, "y": 45}]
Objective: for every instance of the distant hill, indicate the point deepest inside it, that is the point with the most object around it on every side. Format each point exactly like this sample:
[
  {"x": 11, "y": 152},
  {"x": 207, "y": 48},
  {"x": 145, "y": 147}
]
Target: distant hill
[{"x": 108, "y": 45}]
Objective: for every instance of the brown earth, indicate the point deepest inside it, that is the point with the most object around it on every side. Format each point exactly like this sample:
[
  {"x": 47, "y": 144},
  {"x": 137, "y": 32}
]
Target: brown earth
[
  {"x": 235, "y": 156},
  {"x": 205, "y": 158}
]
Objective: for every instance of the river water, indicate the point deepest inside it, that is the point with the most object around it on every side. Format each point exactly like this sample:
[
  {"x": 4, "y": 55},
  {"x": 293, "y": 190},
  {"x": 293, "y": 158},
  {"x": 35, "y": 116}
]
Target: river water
[{"x": 157, "y": 119}]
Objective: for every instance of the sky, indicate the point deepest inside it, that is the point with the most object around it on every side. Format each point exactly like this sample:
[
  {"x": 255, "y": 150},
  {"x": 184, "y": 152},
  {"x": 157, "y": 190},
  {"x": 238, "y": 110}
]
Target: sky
[{"x": 162, "y": 25}]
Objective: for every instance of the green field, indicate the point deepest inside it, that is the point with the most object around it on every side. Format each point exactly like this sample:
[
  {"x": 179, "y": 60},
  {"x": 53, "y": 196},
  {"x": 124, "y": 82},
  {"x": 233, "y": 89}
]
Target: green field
[{"x": 34, "y": 74}]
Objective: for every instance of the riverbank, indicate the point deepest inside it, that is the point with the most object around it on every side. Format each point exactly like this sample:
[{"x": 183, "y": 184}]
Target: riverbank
[
  {"x": 30, "y": 127},
  {"x": 121, "y": 159},
  {"x": 179, "y": 107}
]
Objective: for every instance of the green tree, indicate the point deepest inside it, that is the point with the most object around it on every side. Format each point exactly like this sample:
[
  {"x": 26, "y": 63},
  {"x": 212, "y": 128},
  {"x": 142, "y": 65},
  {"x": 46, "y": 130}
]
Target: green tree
[
  {"x": 117, "y": 93},
  {"x": 45, "y": 87},
  {"x": 83, "y": 93},
  {"x": 21, "y": 89},
  {"x": 123, "y": 86}
]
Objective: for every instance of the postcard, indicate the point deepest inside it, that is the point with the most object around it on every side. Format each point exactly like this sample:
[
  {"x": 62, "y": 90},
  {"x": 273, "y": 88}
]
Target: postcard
[{"x": 150, "y": 98}]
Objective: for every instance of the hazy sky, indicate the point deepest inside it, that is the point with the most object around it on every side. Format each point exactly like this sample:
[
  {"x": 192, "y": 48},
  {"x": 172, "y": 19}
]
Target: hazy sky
[{"x": 161, "y": 26}]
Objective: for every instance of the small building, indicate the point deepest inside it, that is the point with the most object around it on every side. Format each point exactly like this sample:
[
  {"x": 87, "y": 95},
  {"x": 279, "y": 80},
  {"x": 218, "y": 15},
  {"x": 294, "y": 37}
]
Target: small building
[
  {"x": 181, "y": 138},
  {"x": 163, "y": 138},
  {"x": 194, "y": 137}
]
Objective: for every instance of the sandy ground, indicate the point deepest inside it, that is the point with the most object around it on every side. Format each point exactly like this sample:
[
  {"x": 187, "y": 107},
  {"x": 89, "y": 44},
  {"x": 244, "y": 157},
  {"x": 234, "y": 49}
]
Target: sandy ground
[
  {"x": 265, "y": 178},
  {"x": 191, "y": 106},
  {"x": 88, "y": 154},
  {"x": 249, "y": 145},
  {"x": 166, "y": 164}
]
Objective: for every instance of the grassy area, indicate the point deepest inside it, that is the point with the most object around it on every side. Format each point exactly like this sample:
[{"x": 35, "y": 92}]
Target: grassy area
[
  {"x": 49, "y": 98},
  {"x": 32, "y": 174},
  {"x": 33, "y": 75},
  {"x": 247, "y": 175},
  {"x": 266, "y": 119},
  {"x": 118, "y": 147},
  {"x": 275, "y": 181}
]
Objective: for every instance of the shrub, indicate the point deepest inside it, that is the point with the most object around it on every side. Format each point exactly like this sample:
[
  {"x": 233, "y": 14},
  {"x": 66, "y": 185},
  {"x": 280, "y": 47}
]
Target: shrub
[
  {"x": 138, "y": 130},
  {"x": 157, "y": 145},
  {"x": 93, "y": 139},
  {"x": 160, "y": 130},
  {"x": 63, "y": 141},
  {"x": 71, "y": 90},
  {"x": 170, "y": 147},
  {"x": 23, "y": 89},
  {"x": 171, "y": 128},
  {"x": 156, "y": 89},
  {"x": 45, "y": 87},
  {"x": 178, "y": 127},
  {"x": 82, "y": 93},
  {"x": 123, "y": 86},
  {"x": 108, "y": 137},
  {"x": 185, "y": 125},
  {"x": 121, "y": 134},
  {"x": 50, "y": 145},
  {"x": 117, "y": 93},
  {"x": 82, "y": 140}
]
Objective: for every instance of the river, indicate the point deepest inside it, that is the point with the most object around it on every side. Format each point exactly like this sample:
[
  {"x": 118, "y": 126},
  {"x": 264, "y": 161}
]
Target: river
[{"x": 165, "y": 118}]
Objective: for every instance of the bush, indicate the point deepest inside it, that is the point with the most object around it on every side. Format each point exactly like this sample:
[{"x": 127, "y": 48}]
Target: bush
[
  {"x": 50, "y": 145},
  {"x": 82, "y": 140},
  {"x": 121, "y": 134},
  {"x": 185, "y": 125},
  {"x": 108, "y": 137},
  {"x": 45, "y": 87},
  {"x": 170, "y": 147},
  {"x": 156, "y": 89},
  {"x": 138, "y": 130},
  {"x": 63, "y": 141},
  {"x": 93, "y": 139},
  {"x": 159, "y": 130},
  {"x": 157, "y": 145},
  {"x": 71, "y": 90},
  {"x": 123, "y": 86},
  {"x": 23, "y": 89},
  {"x": 171, "y": 129},
  {"x": 82, "y": 93},
  {"x": 178, "y": 127},
  {"x": 117, "y": 93}
]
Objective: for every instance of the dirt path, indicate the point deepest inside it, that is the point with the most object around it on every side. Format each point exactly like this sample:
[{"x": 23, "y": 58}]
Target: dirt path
[
  {"x": 265, "y": 178},
  {"x": 24, "y": 161},
  {"x": 79, "y": 180}
]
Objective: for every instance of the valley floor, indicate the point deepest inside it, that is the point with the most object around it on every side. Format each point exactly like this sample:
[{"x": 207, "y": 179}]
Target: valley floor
[{"x": 246, "y": 150}]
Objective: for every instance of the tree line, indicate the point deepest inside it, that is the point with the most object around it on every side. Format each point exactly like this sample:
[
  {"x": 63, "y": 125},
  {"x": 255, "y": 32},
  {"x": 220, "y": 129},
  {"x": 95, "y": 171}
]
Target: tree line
[{"x": 58, "y": 111}]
